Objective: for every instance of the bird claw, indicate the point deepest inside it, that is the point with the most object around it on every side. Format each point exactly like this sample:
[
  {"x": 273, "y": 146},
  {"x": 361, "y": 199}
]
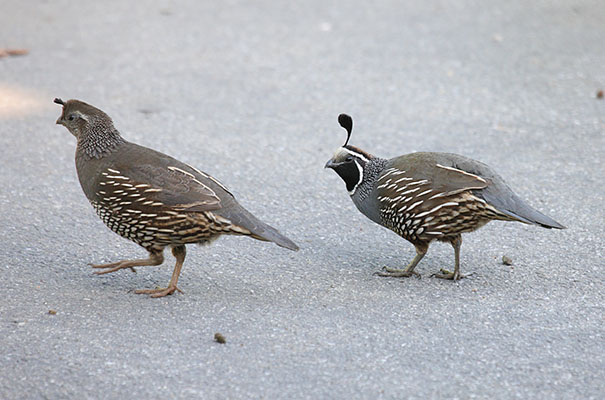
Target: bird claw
[
  {"x": 396, "y": 273},
  {"x": 111, "y": 267},
  {"x": 449, "y": 275},
  {"x": 159, "y": 292}
]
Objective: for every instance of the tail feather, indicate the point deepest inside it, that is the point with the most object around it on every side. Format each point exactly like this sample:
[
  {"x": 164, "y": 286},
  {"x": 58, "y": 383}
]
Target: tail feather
[
  {"x": 239, "y": 216},
  {"x": 271, "y": 234},
  {"x": 513, "y": 206},
  {"x": 534, "y": 217}
]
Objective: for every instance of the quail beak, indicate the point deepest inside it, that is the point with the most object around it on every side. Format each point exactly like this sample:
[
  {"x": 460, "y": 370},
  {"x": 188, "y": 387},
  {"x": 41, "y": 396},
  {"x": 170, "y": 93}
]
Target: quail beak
[
  {"x": 60, "y": 120},
  {"x": 331, "y": 164}
]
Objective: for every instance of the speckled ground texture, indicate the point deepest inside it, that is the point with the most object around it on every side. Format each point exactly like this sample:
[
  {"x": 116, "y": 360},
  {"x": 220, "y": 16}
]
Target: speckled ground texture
[{"x": 249, "y": 92}]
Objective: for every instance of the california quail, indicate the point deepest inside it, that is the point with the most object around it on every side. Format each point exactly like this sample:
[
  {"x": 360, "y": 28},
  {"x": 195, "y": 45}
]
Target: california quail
[
  {"x": 151, "y": 198},
  {"x": 428, "y": 196}
]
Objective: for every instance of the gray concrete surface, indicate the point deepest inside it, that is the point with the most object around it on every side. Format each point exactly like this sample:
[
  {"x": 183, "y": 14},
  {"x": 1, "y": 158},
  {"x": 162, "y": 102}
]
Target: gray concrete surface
[{"x": 249, "y": 92}]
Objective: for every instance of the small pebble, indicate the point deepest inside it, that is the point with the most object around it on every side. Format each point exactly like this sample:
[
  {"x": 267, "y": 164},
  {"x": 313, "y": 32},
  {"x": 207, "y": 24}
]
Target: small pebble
[
  {"x": 507, "y": 260},
  {"x": 600, "y": 94},
  {"x": 52, "y": 312},
  {"x": 220, "y": 338}
]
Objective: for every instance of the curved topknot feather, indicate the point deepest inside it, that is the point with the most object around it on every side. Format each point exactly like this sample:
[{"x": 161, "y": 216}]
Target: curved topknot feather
[{"x": 346, "y": 122}]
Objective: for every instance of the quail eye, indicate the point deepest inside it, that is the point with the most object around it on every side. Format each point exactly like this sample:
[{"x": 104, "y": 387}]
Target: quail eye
[
  {"x": 349, "y": 158},
  {"x": 71, "y": 117}
]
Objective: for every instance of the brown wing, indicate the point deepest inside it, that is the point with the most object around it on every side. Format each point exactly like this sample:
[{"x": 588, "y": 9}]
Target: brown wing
[
  {"x": 168, "y": 186},
  {"x": 453, "y": 180},
  {"x": 416, "y": 185},
  {"x": 423, "y": 170}
]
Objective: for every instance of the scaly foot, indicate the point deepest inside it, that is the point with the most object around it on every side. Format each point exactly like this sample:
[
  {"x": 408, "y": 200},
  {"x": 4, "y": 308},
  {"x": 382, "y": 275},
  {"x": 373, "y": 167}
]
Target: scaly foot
[
  {"x": 396, "y": 273},
  {"x": 159, "y": 292},
  {"x": 112, "y": 267},
  {"x": 453, "y": 276}
]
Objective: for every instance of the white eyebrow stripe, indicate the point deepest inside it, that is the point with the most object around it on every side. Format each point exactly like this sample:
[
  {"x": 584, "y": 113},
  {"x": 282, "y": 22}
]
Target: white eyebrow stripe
[{"x": 351, "y": 152}]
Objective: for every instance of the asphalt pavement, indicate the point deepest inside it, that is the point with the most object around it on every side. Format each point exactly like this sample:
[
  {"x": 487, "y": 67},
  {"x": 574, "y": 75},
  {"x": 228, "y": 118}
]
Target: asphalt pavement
[{"x": 250, "y": 92}]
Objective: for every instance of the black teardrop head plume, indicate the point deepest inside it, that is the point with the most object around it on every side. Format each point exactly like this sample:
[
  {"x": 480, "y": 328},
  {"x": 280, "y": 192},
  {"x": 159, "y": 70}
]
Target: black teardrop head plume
[
  {"x": 346, "y": 122},
  {"x": 59, "y": 101}
]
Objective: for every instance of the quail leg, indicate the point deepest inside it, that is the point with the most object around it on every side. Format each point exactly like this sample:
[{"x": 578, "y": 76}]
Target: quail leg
[
  {"x": 456, "y": 275},
  {"x": 179, "y": 253},
  {"x": 155, "y": 258},
  {"x": 409, "y": 270}
]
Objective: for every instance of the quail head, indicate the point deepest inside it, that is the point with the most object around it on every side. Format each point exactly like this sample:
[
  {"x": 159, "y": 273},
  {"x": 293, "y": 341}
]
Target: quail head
[
  {"x": 151, "y": 198},
  {"x": 428, "y": 196}
]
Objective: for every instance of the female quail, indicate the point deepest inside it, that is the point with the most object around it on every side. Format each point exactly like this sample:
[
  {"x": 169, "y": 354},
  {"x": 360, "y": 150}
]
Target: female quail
[
  {"x": 428, "y": 196},
  {"x": 151, "y": 198}
]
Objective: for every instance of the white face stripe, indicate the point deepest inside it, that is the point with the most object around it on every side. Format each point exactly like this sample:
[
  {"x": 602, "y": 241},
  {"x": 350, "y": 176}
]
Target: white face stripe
[
  {"x": 355, "y": 154},
  {"x": 80, "y": 115},
  {"x": 352, "y": 192}
]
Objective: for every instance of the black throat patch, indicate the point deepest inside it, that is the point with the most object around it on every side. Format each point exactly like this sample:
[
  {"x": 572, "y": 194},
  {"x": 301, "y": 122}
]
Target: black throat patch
[{"x": 351, "y": 174}]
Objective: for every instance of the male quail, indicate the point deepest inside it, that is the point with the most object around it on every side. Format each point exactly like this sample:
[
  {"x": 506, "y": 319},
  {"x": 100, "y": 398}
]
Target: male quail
[
  {"x": 151, "y": 198},
  {"x": 428, "y": 196}
]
